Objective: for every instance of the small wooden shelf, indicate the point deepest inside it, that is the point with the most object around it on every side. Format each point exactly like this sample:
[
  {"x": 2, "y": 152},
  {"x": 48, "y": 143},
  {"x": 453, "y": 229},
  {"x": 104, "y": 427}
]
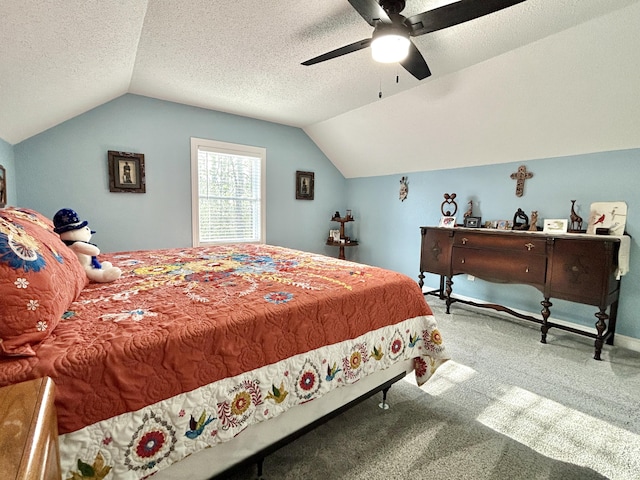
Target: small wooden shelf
[{"x": 347, "y": 241}]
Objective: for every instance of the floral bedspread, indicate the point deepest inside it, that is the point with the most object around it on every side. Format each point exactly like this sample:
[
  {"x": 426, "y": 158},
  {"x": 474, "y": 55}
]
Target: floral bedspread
[{"x": 192, "y": 345}]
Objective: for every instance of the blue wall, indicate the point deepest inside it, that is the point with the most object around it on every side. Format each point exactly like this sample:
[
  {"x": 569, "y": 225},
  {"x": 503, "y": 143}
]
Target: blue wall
[
  {"x": 66, "y": 166},
  {"x": 7, "y": 161},
  {"x": 390, "y": 236}
]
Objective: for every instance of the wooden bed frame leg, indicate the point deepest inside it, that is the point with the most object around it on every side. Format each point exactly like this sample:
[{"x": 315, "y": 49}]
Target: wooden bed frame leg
[{"x": 384, "y": 405}]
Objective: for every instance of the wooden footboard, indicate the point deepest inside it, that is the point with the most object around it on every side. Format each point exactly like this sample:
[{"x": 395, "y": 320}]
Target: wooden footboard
[{"x": 29, "y": 431}]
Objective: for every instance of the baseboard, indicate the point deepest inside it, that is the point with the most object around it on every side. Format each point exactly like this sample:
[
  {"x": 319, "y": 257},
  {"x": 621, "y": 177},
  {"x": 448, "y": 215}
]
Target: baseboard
[{"x": 629, "y": 343}]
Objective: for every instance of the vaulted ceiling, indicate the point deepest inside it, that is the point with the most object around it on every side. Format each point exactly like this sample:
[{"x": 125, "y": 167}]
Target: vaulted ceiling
[{"x": 60, "y": 58}]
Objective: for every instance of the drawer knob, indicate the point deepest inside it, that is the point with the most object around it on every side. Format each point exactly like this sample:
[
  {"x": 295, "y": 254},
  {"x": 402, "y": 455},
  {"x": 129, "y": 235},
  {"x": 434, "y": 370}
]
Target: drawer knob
[
  {"x": 526, "y": 270},
  {"x": 529, "y": 246},
  {"x": 464, "y": 240}
]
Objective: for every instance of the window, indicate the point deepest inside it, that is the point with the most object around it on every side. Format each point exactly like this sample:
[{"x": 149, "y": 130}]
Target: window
[{"x": 227, "y": 183}]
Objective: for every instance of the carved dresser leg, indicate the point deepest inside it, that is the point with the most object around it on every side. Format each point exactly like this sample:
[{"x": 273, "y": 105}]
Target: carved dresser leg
[
  {"x": 545, "y": 316},
  {"x": 448, "y": 291},
  {"x": 601, "y": 325}
]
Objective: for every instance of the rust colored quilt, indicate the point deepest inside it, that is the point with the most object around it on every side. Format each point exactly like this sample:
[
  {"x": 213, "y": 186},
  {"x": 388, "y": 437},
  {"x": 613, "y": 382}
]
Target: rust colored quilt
[{"x": 180, "y": 319}]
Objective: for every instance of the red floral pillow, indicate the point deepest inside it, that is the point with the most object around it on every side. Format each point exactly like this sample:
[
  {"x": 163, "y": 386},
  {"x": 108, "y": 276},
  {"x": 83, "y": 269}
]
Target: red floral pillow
[{"x": 39, "y": 278}]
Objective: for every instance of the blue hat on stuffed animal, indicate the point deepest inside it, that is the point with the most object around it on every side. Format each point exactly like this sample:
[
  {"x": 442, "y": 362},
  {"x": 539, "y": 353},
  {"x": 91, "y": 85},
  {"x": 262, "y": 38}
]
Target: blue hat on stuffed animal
[{"x": 66, "y": 220}]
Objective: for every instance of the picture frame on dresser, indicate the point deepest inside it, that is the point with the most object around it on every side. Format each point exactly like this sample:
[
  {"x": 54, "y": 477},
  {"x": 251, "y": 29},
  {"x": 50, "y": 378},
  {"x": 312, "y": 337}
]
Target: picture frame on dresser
[
  {"x": 472, "y": 222},
  {"x": 555, "y": 225},
  {"x": 447, "y": 221},
  {"x": 504, "y": 224}
]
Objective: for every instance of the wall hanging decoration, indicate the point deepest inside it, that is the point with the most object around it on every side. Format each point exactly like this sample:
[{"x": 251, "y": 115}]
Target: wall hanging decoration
[
  {"x": 3, "y": 187},
  {"x": 520, "y": 176},
  {"x": 404, "y": 188},
  {"x": 126, "y": 172},
  {"x": 304, "y": 185}
]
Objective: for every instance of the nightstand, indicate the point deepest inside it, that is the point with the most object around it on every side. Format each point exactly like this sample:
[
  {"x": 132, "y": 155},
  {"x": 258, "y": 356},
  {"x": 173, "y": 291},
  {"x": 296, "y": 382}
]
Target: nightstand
[{"x": 29, "y": 431}]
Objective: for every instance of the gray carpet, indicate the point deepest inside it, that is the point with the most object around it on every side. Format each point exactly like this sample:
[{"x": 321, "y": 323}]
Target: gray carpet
[{"x": 505, "y": 407}]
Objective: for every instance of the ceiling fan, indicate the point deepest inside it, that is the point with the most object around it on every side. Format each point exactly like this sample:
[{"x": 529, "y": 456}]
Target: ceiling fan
[{"x": 390, "y": 40}]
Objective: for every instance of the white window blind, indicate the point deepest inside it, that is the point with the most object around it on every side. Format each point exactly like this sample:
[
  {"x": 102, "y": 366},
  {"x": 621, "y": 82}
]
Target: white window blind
[{"x": 228, "y": 184}]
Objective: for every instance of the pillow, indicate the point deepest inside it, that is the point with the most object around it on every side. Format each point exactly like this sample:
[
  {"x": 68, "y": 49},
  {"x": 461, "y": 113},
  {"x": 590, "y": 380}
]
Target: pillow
[{"x": 39, "y": 278}]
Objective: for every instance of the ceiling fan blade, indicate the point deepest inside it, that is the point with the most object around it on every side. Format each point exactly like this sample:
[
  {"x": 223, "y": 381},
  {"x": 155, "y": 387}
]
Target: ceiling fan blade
[
  {"x": 338, "y": 52},
  {"x": 415, "y": 63},
  {"x": 454, "y": 14},
  {"x": 371, "y": 11}
]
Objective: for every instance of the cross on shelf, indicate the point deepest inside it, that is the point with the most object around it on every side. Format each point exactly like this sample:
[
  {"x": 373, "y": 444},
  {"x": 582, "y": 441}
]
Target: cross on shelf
[{"x": 520, "y": 176}]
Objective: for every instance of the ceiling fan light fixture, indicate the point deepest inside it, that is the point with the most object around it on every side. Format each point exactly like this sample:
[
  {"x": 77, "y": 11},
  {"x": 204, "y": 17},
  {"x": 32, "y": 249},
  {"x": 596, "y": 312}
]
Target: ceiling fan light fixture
[{"x": 390, "y": 46}]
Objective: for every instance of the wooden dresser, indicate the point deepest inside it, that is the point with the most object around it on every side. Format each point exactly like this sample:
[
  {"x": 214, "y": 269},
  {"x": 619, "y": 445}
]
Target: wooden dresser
[
  {"x": 29, "y": 432},
  {"x": 577, "y": 268}
]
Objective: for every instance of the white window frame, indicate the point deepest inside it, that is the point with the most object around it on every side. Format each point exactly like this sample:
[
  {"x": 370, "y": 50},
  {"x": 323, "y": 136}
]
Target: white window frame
[{"x": 198, "y": 144}]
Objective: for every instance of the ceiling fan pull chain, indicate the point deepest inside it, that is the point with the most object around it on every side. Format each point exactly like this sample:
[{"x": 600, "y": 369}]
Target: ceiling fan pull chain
[{"x": 380, "y": 90}]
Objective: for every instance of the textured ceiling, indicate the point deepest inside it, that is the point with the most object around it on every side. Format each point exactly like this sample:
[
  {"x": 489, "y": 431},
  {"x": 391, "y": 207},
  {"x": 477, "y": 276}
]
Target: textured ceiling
[{"x": 61, "y": 58}]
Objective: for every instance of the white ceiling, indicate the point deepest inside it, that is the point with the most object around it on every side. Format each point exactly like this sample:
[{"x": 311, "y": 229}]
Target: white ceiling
[{"x": 60, "y": 58}]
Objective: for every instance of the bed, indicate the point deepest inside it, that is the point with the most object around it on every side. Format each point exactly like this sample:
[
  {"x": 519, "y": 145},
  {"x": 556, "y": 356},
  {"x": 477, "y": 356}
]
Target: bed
[{"x": 193, "y": 346}]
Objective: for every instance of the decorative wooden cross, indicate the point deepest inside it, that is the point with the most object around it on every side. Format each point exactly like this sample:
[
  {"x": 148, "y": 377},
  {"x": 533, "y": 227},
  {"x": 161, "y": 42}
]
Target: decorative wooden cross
[{"x": 521, "y": 175}]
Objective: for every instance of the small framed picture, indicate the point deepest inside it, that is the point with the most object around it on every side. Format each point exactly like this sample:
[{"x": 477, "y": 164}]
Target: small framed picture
[
  {"x": 555, "y": 225},
  {"x": 126, "y": 172},
  {"x": 304, "y": 185},
  {"x": 504, "y": 224},
  {"x": 472, "y": 222},
  {"x": 447, "y": 222},
  {"x": 3, "y": 187}
]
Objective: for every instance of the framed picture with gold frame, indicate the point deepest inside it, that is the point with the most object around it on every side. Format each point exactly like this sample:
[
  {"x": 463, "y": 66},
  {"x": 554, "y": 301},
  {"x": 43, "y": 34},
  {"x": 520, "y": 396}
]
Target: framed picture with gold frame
[{"x": 126, "y": 172}]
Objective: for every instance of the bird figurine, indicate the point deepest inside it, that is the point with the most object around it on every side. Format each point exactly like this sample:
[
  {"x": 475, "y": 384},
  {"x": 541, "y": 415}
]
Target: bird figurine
[{"x": 196, "y": 428}]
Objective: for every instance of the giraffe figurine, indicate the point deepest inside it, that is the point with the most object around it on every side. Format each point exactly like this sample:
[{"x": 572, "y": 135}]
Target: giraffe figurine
[
  {"x": 469, "y": 211},
  {"x": 576, "y": 220}
]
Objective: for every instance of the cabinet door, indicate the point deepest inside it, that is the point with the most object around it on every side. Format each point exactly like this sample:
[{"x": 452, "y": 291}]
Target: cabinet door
[
  {"x": 435, "y": 254},
  {"x": 584, "y": 270}
]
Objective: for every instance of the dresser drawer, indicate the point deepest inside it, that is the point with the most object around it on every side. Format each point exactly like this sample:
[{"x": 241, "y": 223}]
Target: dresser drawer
[
  {"x": 519, "y": 242},
  {"x": 500, "y": 266}
]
